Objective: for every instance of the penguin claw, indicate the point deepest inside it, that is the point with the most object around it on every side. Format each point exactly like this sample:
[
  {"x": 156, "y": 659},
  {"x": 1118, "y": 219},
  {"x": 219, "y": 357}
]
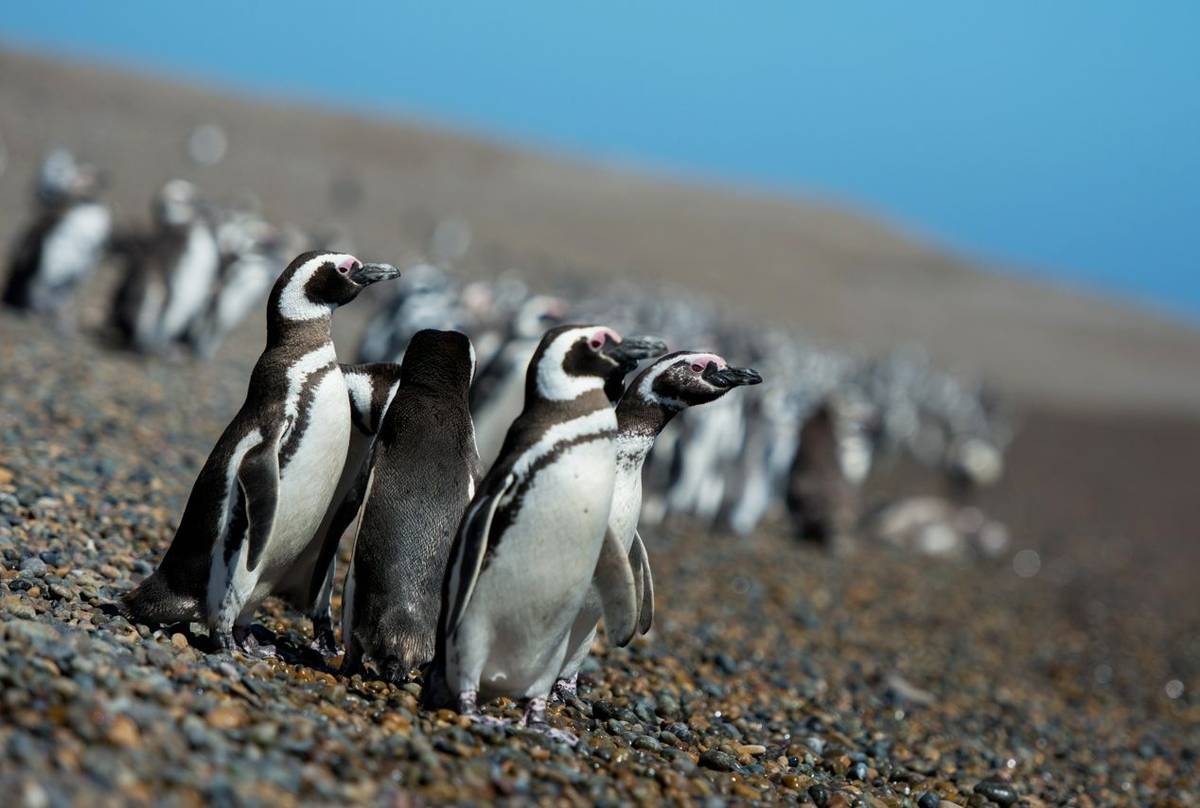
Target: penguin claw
[
  {"x": 248, "y": 645},
  {"x": 325, "y": 646},
  {"x": 323, "y": 642}
]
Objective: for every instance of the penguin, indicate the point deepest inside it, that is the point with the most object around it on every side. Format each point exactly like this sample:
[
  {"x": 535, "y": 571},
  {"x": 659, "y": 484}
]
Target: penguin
[
  {"x": 65, "y": 244},
  {"x": 822, "y": 495},
  {"x": 667, "y": 387},
  {"x": 371, "y": 387},
  {"x": 191, "y": 260},
  {"x": 496, "y": 397},
  {"x": 423, "y": 471},
  {"x": 250, "y": 526},
  {"x": 536, "y": 534},
  {"x": 248, "y": 266}
]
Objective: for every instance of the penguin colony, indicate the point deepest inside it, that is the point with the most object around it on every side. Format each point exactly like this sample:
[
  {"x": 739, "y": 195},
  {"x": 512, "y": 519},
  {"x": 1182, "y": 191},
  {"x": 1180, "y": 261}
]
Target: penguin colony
[
  {"x": 497, "y": 583},
  {"x": 800, "y": 448}
]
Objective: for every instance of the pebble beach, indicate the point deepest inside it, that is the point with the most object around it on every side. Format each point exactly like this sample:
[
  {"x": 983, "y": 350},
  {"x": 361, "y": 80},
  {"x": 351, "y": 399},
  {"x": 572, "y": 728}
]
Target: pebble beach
[{"x": 775, "y": 673}]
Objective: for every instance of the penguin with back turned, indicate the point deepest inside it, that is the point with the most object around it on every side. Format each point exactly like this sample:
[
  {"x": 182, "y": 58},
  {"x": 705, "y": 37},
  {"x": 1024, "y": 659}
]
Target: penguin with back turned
[
  {"x": 536, "y": 534},
  {"x": 671, "y": 384},
  {"x": 423, "y": 471},
  {"x": 250, "y": 526}
]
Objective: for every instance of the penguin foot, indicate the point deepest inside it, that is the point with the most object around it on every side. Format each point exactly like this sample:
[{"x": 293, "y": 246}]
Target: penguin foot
[
  {"x": 468, "y": 704},
  {"x": 535, "y": 720},
  {"x": 488, "y": 720},
  {"x": 565, "y": 689},
  {"x": 249, "y": 645},
  {"x": 468, "y": 707},
  {"x": 323, "y": 642}
]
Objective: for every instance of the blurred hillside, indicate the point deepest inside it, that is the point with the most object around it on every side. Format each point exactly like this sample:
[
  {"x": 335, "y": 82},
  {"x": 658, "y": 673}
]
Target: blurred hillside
[{"x": 833, "y": 275}]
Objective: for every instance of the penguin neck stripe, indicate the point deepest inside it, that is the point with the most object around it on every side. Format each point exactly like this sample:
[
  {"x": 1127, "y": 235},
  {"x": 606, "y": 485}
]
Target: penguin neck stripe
[
  {"x": 511, "y": 505},
  {"x": 303, "y": 378},
  {"x": 594, "y": 423}
]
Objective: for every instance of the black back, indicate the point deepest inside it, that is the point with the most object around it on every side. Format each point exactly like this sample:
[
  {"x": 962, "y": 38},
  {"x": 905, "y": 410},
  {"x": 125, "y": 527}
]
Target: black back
[{"x": 424, "y": 465}]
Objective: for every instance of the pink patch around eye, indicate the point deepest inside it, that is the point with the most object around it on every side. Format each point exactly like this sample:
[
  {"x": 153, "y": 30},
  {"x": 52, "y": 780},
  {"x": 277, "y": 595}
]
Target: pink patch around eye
[
  {"x": 702, "y": 361},
  {"x": 348, "y": 264},
  {"x": 601, "y": 336}
]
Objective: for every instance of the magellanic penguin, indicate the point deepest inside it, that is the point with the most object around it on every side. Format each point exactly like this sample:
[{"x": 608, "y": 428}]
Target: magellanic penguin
[
  {"x": 66, "y": 243},
  {"x": 423, "y": 472},
  {"x": 250, "y": 527},
  {"x": 536, "y": 535},
  {"x": 372, "y": 386},
  {"x": 497, "y": 396},
  {"x": 671, "y": 384}
]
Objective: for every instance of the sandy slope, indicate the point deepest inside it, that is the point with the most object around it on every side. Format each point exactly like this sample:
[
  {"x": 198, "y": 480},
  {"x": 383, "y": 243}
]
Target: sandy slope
[{"x": 837, "y": 276}]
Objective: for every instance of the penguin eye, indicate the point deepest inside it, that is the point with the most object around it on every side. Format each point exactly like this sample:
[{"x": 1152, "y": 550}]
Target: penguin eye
[
  {"x": 698, "y": 368},
  {"x": 596, "y": 343}
]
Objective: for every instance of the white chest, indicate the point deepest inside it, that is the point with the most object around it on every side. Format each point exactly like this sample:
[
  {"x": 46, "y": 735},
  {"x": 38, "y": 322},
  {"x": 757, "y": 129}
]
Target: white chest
[
  {"x": 308, "y": 481},
  {"x": 74, "y": 246},
  {"x": 627, "y": 493}
]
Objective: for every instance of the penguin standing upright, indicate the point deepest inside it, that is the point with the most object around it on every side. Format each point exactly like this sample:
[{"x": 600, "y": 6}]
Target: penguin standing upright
[
  {"x": 371, "y": 386},
  {"x": 250, "y": 527},
  {"x": 536, "y": 533},
  {"x": 249, "y": 264},
  {"x": 191, "y": 262},
  {"x": 66, "y": 243},
  {"x": 423, "y": 472},
  {"x": 497, "y": 396},
  {"x": 671, "y": 384},
  {"x": 170, "y": 276}
]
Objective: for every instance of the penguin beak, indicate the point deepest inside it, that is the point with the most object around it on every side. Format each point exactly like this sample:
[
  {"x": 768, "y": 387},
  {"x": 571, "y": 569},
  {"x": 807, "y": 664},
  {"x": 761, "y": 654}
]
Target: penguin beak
[
  {"x": 728, "y": 377},
  {"x": 631, "y": 350},
  {"x": 367, "y": 274}
]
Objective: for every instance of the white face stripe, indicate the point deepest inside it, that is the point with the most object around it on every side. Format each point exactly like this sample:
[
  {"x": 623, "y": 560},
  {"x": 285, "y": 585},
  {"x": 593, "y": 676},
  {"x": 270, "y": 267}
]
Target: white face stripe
[
  {"x": 646, "y": 388},
  {"x": 293, "y": 302},
  {"x": 471, "y": 348},
  {"x": 554, "y": 383}
]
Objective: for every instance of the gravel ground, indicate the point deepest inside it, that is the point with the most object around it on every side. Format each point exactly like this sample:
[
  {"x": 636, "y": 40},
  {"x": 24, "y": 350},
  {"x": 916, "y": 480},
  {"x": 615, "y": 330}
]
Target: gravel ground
[{"x": 774, "y": 674}]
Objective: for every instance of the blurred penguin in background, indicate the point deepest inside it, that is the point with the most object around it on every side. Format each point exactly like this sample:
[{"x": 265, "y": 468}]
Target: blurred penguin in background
[
  {"x": 170, "y": 275},
  {"x": 66, "y": 242}
]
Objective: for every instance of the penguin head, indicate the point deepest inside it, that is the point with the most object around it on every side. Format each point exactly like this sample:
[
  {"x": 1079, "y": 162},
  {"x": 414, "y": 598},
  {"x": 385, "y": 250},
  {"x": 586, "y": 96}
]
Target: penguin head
[
  {"x": 575, "y": 359},
  {"x": 687, "y": 378},
  {"x": 177, "y": 204},
  {"x": 537, "y": 314},
  {"x": 317, "y": 282},
  {"x": 440, "y": 360}
]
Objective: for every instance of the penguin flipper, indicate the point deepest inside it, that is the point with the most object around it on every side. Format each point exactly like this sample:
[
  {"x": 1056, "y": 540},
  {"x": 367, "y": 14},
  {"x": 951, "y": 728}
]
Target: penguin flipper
[
  {"x": 615, "y": 584},
  {"x": 471, "y": 546},
  {"x": 641, "y": 570},
  {"x": 258, "y": 479}
]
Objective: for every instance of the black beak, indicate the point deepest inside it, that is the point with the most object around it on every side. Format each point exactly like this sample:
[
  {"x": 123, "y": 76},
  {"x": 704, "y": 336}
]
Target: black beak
[
  {"x": 367, "y": 274},
  {"x": 731, "y": 377},
  {"x": 631, "y": 350}
]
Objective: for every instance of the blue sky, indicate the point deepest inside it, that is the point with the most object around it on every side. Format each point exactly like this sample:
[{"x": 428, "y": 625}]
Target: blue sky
[{"x": 1060, "y": 138}]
